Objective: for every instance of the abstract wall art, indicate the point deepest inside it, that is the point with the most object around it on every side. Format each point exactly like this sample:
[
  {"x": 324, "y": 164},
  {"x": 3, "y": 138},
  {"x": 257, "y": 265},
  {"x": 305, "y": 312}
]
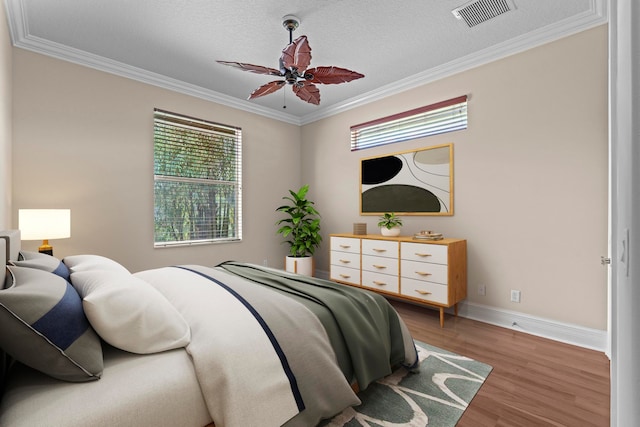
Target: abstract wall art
[{"x": 418, "y": 182}]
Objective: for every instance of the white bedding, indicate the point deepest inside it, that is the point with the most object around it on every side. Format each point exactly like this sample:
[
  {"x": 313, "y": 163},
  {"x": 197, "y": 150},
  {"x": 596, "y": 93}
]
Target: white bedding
[
  {"x": 159, "y": 390},
  {"x": 240, "y": 373},
  {"x": 266, "y": 349}
]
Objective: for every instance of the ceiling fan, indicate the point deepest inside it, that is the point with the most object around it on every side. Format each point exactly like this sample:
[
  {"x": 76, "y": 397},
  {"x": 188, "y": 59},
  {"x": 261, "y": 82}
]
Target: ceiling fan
[{"x": 295, "y": 59}]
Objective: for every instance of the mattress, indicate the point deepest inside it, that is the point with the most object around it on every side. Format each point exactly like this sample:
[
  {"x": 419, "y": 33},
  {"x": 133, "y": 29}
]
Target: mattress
[{"x": 139, "y": 386}]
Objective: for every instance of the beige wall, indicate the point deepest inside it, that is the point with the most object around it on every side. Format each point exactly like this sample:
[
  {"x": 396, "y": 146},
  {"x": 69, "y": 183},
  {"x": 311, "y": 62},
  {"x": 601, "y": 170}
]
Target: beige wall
[
  {"x": 83, "y": 140},
  {"x": 5, "y": 120},
  {"x": 530, "y": 177},
  {"x": 530, "y": 171}
]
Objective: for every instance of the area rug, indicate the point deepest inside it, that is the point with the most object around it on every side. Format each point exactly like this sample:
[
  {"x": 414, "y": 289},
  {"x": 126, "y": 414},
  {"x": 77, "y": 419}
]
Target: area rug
[{"x": 437, "y": 395}]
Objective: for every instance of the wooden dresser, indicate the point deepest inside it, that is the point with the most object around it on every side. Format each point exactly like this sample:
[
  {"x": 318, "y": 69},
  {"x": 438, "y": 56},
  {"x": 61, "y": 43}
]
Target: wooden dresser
[{"x": 423, "y": 271}]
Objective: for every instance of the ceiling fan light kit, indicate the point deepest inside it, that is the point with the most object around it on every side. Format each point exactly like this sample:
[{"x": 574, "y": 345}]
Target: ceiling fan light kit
[{"x": 294, "y": 63}]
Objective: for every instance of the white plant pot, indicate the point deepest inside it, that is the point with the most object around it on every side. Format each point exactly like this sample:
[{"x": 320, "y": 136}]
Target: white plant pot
[
  {"x": 300, "y": 265},
  {"x": 395, "y": 231}
]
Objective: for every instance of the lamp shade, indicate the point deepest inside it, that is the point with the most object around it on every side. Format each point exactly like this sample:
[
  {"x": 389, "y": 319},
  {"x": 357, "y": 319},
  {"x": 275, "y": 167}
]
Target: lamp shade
[{"x": 44, "y": 224}]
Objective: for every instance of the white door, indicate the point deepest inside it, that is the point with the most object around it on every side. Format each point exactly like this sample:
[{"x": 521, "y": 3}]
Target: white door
[{"x": 624, "y": 45}]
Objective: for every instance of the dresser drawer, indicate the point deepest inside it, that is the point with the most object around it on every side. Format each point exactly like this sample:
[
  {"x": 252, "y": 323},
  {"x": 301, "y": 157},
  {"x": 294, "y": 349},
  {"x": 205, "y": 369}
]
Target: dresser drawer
[
  {"x": 345, "y": 244},
  {"x": 424, "y": 271},
  {"x": 345, "y": 274},
  {"x": 380, "y": 282},
  {"x": 424, "y": 252},
  {"x": 345, "y": 259},
  {"x": 382, "y": 248},
  {"x": 380, "y": 264},
  {"x": 427, "y": 291}
]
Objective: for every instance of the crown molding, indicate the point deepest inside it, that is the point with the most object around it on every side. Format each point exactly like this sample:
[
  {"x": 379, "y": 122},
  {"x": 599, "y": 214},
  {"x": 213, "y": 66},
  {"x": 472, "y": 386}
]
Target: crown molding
[
  {"x": 21, "y": 38},
  {"x": 18, "y": 27},
  {"x": 596, "y": 15}
]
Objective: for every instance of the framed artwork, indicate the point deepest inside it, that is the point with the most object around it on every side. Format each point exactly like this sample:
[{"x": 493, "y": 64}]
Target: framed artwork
[{"x": 418, "y": 182}]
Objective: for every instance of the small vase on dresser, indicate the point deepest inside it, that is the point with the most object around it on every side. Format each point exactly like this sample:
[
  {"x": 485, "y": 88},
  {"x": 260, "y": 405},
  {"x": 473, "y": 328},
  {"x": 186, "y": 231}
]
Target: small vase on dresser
[{"x": 393, "y": 231}]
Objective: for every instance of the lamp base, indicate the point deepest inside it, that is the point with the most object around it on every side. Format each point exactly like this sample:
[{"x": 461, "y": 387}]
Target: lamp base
[{"x": 46, "y": 248}]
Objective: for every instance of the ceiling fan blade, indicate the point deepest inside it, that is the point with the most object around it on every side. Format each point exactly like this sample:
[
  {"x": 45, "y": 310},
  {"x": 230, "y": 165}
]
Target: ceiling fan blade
[
  {"x": 297, "y": 54},
  {"x": 307, "y": 92},
  {"x": 258, "y": 69},
  {"x": 267, "y": 89},
  {"x": 331, "y": 75}
]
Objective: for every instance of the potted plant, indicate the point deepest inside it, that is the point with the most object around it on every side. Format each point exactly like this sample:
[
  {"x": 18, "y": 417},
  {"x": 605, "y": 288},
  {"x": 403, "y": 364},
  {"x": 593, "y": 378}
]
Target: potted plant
[
  {"x": 390, "y": 224},
  {"x": 301, "y": 229}
]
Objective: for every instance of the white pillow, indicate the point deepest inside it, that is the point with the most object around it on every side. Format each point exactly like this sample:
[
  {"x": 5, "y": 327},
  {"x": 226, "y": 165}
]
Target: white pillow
[
  {"x": 92, "y": 262},
  {"x": 129, "y": 313}
]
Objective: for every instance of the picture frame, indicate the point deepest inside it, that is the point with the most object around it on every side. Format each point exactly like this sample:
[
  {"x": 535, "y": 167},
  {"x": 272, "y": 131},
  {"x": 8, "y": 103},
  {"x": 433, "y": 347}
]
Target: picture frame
[{"x": 416, "y": 182}]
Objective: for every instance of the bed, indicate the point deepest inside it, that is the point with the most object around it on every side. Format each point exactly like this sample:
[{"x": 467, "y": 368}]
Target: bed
[{"x": 86, "y": 342}]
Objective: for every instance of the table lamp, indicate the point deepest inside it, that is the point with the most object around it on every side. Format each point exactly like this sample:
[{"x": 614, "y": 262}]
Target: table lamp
[{"x": 44, "y": 224}]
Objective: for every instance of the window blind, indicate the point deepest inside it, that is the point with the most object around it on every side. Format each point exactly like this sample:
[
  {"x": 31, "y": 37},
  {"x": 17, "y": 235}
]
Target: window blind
[
  {"x": 197, "y": 180},
  {"x": 442, "y": 117}
]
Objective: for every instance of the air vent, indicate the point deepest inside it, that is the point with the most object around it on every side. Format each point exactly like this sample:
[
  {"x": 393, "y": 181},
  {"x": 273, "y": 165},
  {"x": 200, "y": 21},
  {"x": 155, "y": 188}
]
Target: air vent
[{"x": 479, "y": 11}]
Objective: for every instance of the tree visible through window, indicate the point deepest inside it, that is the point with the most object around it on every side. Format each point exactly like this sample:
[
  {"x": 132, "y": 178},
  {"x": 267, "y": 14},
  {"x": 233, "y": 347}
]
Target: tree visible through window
[{"x": 197, "y": 180}]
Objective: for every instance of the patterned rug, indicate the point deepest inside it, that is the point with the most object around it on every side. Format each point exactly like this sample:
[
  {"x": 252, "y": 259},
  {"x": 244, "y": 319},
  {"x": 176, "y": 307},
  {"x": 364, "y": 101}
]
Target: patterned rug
[{"x": 436, "y": 396}]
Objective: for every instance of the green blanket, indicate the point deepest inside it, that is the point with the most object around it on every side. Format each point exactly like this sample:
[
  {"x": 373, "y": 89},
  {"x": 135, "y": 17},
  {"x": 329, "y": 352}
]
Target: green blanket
[{"x": 375, "y": 338}]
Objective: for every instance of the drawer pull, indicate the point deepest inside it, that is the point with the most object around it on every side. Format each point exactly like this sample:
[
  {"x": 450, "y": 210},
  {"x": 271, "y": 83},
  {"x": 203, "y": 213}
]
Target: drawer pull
[
  {"x": 423, "y": 273},
  {"x": 345, "y": 276},
  {"x": 422, "y": 255},
  {"x": 379, "y": 250},
  {"x": 423, "y": 292},
  {"x": 375, "y": 282},
  {"x": 345, "y": 261},
  {"x": 345, "y": 246},
  {"x": 379, "y": 267}
]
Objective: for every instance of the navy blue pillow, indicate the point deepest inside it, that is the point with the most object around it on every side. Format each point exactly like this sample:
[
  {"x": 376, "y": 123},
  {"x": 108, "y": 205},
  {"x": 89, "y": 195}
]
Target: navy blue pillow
[
  {"x": 43, "y": 325},
  {"x": 42, "y": 262}
]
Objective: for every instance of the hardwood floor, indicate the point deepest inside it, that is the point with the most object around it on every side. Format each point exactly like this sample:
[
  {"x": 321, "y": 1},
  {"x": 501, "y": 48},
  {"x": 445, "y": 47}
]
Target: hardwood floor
[{"x": 534, "y": 382}]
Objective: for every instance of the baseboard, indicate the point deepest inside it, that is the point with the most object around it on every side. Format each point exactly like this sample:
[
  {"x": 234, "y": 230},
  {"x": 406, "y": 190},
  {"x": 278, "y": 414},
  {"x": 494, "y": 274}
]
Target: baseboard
[
  {"x": 564, "y": 332},
  {"x": 594, "y": 339}
]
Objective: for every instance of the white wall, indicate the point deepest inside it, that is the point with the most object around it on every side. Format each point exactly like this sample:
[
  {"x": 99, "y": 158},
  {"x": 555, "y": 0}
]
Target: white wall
[
  {"x": 5, "y": 120},
  {"x": 83, "y": 140},
  {"x": 530, "y": 177}
]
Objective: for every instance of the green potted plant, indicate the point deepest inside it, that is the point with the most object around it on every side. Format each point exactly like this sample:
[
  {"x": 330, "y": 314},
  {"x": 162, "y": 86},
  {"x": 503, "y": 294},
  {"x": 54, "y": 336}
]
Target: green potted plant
[
  {"x": 390, "y": 224},
  {"x": 301, "y": 230}
]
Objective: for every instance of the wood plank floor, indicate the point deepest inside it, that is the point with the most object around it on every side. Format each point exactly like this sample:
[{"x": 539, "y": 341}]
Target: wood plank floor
[{"x": 534, "y": 382}]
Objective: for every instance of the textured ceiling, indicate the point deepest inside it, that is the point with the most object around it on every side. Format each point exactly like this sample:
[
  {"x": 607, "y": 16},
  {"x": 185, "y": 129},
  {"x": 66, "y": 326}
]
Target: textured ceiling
[{"x": 396, "y": 44}]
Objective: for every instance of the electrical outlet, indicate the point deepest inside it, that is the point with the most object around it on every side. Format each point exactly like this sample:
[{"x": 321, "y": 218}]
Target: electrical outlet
[
  {"x": 265, "y": 263},
  {"x": 482, "y": 290},
  {"x": 515, "y": 296}
]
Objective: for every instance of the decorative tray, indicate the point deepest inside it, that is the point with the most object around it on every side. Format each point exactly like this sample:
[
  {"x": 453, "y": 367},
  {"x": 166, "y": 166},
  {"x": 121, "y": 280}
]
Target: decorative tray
[{"x": 428, "y": 235}]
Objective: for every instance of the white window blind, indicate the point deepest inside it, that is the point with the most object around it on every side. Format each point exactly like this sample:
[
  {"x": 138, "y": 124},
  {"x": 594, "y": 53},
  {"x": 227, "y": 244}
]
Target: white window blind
[
  {"x": 434, "y": 119},
  {"x": 197, "y": 181}
]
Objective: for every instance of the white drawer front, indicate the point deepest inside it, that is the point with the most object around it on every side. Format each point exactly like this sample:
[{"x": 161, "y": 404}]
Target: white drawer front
[
  {"x": 380, "y": 264},
  {"x": 345, "y": 244},
  {"x": 424, "y": 271},
  {"x": 380, "y": 248},
  {"x": 428, "y": 291},
  {"x": 345, "y": 259},
  {"x": 424, "y": 252},
  {"x": 345, "y": 274},
  {"x": 380, "y": 282}
]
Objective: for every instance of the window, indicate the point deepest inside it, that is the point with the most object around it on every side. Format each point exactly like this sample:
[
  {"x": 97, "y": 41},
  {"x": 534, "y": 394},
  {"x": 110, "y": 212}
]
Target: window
[
  {"x": 445, "y": 116},
  {"x": 197, "y": 181}
]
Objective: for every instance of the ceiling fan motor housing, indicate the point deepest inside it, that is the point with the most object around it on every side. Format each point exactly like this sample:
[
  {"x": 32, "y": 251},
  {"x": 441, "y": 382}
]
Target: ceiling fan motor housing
[{"x": 290, "y": 22}]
